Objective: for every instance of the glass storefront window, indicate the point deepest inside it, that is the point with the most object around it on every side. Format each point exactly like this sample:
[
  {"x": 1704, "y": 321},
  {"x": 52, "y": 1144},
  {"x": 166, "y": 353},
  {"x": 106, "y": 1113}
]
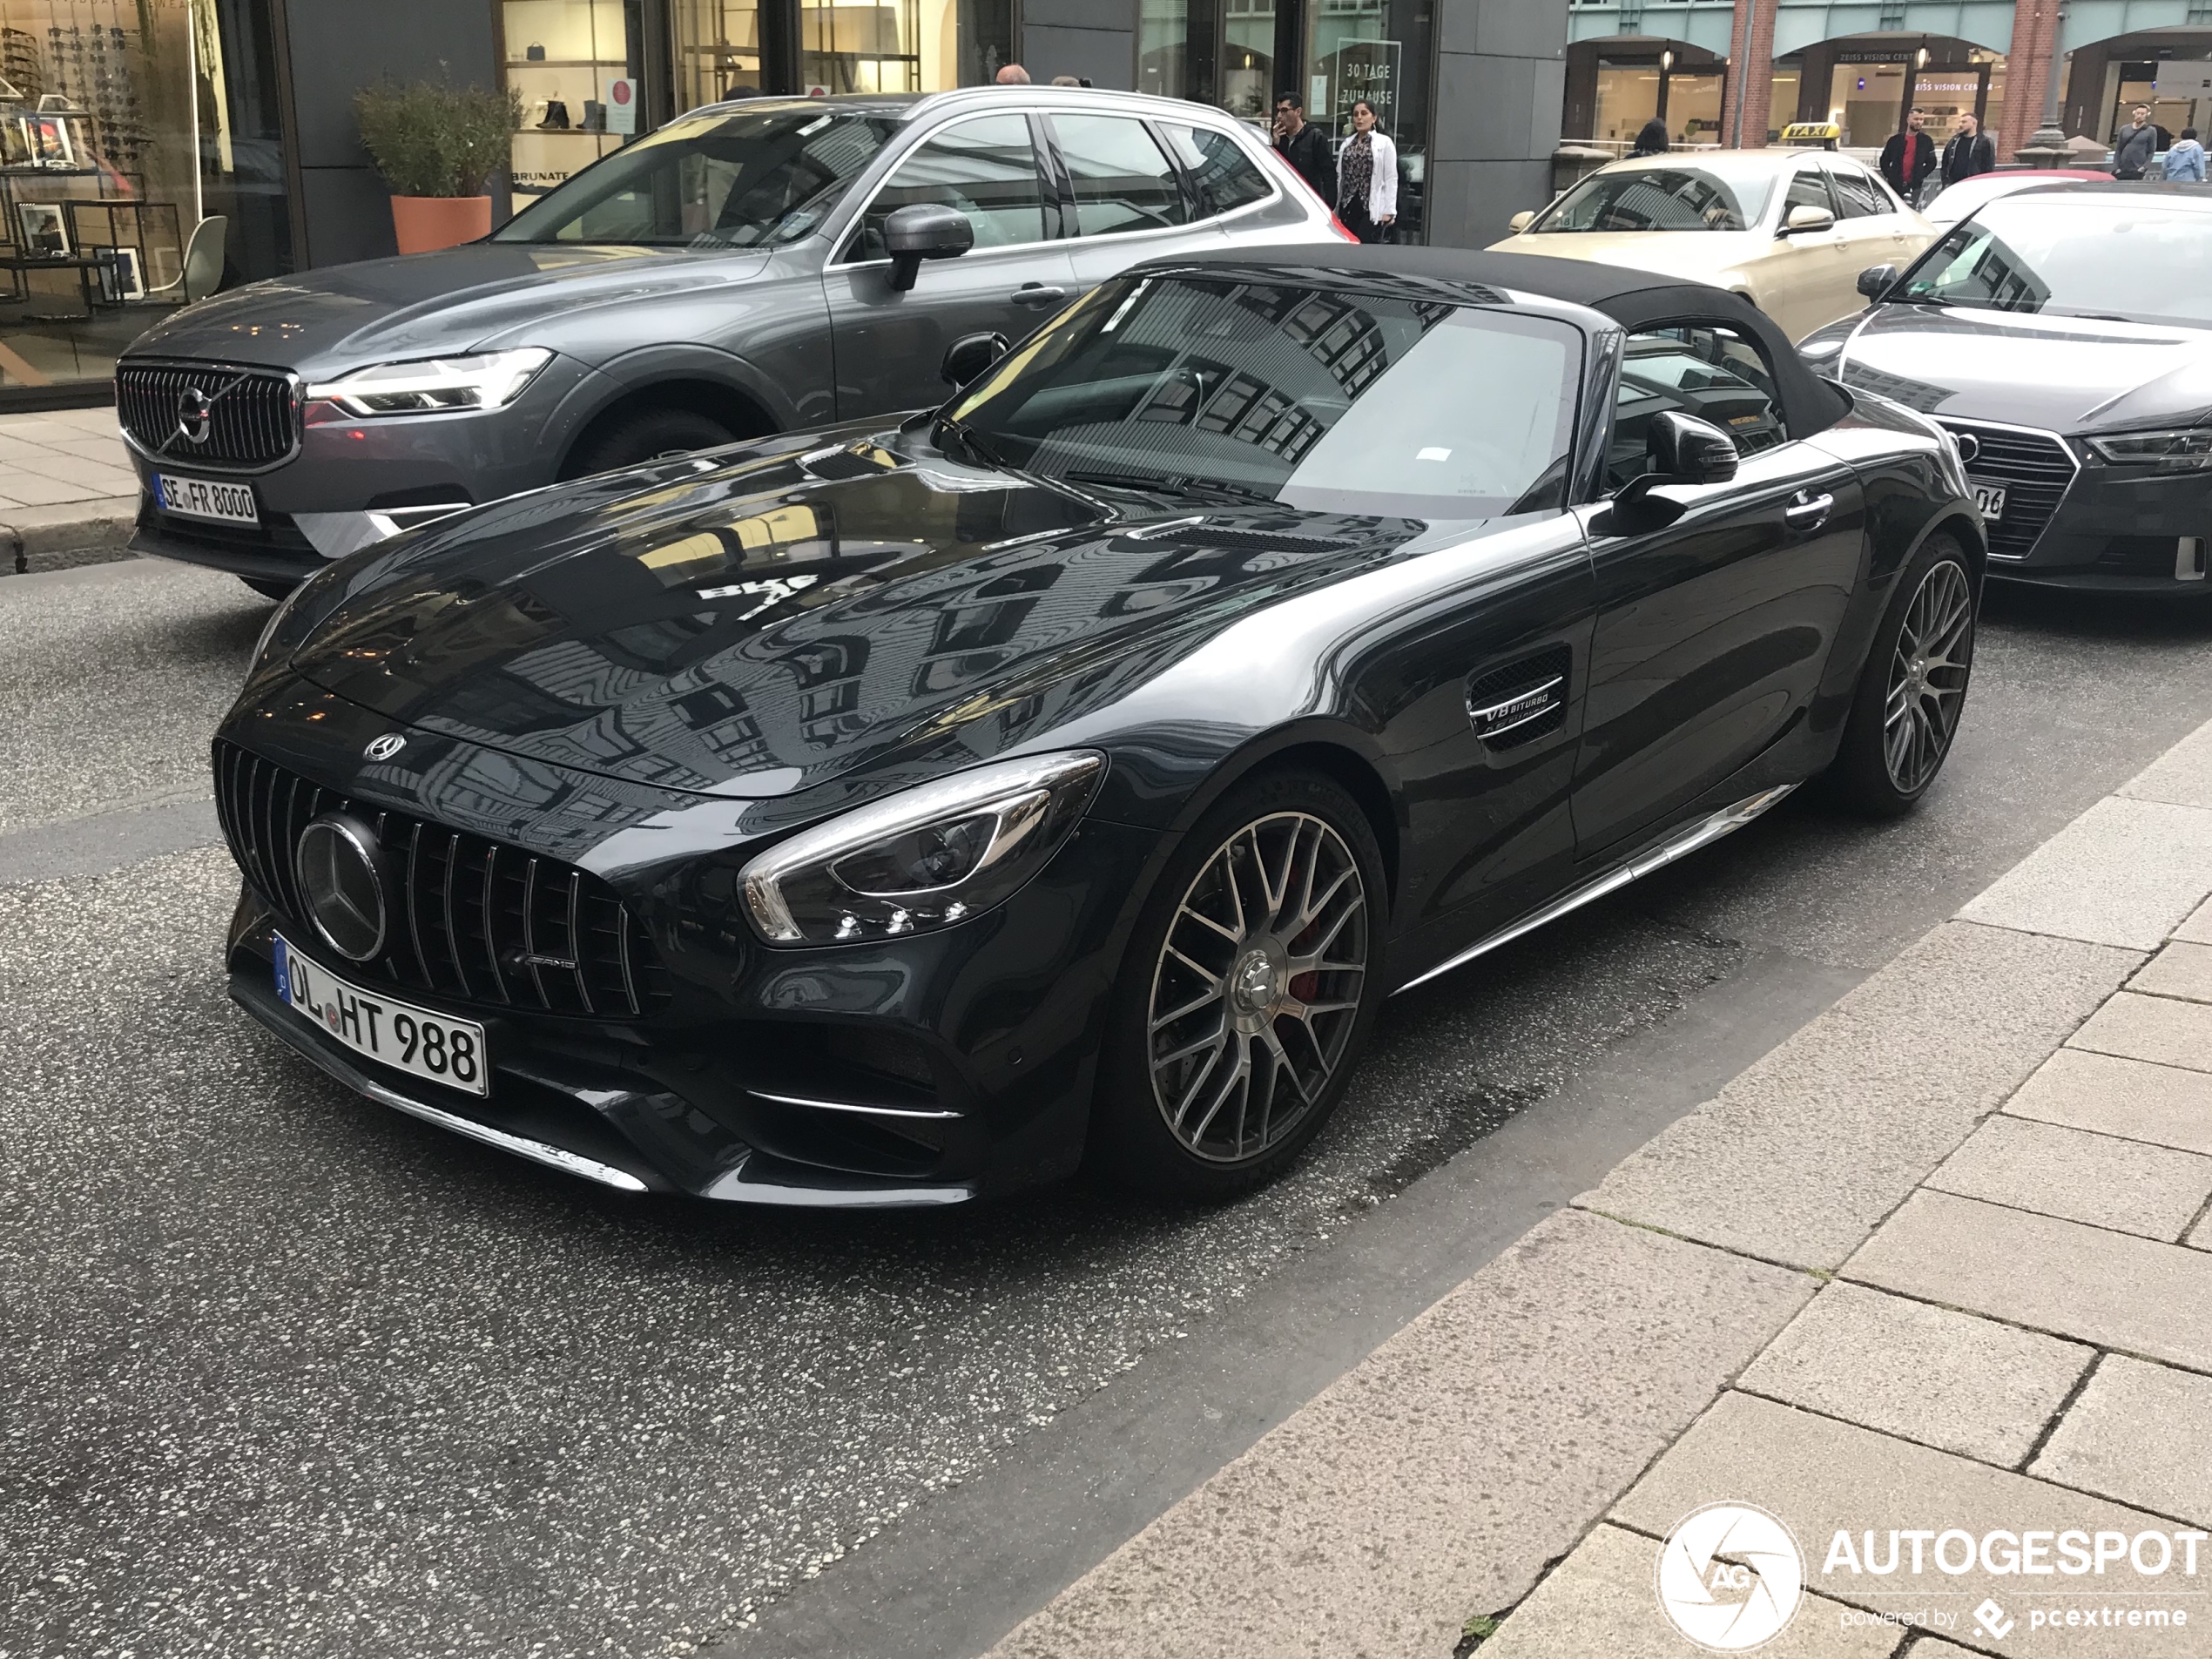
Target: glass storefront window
[
  {"x": 1867, "y": 100},
  {"x": 1693, "y": 106},
  {"x": 1248, "y": 62},
  {"x": 718, "y": 50},
  {"x": 560, "y": 54},
  {"x": 1628, "y": 96},
  {"x": 1781, "y": 102},
  {"x": 877, "y": 45},
  {"x": 1379, "y": 50},
  {"x": 123, "y": 124}
]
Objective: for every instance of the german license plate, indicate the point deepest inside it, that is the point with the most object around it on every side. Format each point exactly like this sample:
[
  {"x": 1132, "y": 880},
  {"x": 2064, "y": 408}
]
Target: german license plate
[
  {"x": 399, "y": 1035},
  {"x": 1990, "y": 498},
  {"x": 205, "y": 498}
]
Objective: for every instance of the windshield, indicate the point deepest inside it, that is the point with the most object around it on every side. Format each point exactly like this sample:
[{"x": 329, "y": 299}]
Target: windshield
[
  {"x": 2070, "y": 256},
  {"x": 1660, "y": 199},
  {"x": 752, "y": 179},
  {"x": 1328, "y": 402}
]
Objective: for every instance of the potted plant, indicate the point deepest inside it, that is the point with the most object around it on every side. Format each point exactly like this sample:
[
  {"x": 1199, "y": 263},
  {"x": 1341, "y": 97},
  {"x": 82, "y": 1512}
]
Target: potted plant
[{"x": 436, "y": 146}]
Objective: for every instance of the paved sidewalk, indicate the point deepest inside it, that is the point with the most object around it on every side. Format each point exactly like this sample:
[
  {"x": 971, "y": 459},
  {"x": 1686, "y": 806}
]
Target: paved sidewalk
[
  {"x": 67, "y": 493},
  {"x": 1941, "y": 1260}
]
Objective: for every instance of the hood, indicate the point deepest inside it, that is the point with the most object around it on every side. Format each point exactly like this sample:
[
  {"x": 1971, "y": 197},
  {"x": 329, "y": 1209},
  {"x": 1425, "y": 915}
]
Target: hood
[
  {"x": 772, "y": 622},
  {"x": 2063, "y": 373},
  {"x": 1700, "y": 256},
  {"x": 454, "y": 300}
]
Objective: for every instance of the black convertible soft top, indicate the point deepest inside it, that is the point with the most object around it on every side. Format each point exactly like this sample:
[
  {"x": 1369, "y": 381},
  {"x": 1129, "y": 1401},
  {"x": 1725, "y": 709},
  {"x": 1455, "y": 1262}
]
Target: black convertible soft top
[{"x": 1633, "y": 299}]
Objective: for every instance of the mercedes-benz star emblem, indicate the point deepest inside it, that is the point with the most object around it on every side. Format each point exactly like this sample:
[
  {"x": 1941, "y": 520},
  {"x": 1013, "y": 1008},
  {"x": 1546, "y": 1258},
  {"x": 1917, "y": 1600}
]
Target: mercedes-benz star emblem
[
  {"x": 194, "y": 412},
  {"x": 1969, "y": 447},
  {"x": 384, "y": 748},
  {"x": 336, "y": 863}
]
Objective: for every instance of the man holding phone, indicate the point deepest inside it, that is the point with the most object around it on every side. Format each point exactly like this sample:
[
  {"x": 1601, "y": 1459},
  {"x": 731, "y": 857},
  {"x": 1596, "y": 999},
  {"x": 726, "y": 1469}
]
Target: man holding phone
[{"x": 1305, "y": 146}]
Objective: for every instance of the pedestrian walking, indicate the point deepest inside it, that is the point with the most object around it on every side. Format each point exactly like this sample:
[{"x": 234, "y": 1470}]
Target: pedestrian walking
[
  {"x": 1305, "y": 146},
  {"x": 1968, "y": 153},
  {"x": 1652, "y": 141},
  {"x": 1909, "y": 157},
  {"x": 2185, "y": 161},
  {"x": 1368, "y": 178},
  {"x": 2135, "y": 145}
]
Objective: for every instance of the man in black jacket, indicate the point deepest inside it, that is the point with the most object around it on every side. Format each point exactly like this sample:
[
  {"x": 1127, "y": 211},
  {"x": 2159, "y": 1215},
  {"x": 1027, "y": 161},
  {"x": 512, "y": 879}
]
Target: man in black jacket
[
  {"x": 1908, "y": 159},
  {"x": 1305, "y": 146},
  {"x": 1969, "y": 152}
]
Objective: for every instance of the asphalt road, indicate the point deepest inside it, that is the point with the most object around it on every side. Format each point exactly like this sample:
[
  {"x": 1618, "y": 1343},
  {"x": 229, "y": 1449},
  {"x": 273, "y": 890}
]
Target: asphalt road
[{"x": 284, "y": 1373}]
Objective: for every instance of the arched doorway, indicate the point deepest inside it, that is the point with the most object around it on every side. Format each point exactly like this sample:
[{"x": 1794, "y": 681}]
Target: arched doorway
[
  {"x": 1867, "y": 82},
  {"x": 2168, "y": 69}
]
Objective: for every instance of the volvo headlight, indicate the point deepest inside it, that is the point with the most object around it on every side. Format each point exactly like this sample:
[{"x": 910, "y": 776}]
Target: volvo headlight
[
  {"x": 925, "y": 857},
  {"x": 2186, "y": 450},
  {"x": 437, "y": 385}
]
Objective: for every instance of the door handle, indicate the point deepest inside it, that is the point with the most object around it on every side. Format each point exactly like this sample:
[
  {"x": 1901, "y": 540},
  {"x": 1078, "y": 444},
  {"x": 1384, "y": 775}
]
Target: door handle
[
  {"x": 1808, "y": 513},
  {"x": 1035, "y": 294}
]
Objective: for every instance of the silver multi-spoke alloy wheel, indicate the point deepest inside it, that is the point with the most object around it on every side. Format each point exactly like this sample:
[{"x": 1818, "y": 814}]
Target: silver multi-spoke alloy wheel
[
  {"x": 1928, "y": 677},
  {"x": 1258, "y": 986}
]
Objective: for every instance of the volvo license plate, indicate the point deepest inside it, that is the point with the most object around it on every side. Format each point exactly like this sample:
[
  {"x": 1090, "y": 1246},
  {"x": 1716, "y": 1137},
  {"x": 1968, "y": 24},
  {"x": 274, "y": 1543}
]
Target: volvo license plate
[
  {"x": 1990, "y": 498},
  {"x": 205, "y": 498},
  {"x": 399, "y": 1035}
]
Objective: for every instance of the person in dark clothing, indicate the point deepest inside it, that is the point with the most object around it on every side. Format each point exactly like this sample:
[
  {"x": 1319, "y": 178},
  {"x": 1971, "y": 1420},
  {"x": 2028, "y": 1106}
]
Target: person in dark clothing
[
  {"x": 2134, "y": 146},
  {"x": 1969, "y": 152},
  {"x": 1908, "y": 159},
  {"x": 1305, "y": 146},
  {"x": 1652, "y": 141}
]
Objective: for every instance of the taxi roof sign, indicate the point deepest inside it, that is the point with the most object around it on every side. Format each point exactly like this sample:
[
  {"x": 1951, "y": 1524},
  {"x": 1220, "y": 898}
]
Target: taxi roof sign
[{"x": 1811, "y": 131}]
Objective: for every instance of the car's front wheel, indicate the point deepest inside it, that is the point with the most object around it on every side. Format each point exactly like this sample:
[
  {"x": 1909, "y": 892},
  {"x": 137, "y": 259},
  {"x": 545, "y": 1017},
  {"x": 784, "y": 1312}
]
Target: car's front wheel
[
  {"x": 1248, "y": 988},
  {"x": 1913, "y": 687},
  {"x": 648, "y": 435}
]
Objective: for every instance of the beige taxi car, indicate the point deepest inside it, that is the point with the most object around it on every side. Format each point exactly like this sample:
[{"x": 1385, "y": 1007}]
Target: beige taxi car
[{"x": 1790, "y": 230}]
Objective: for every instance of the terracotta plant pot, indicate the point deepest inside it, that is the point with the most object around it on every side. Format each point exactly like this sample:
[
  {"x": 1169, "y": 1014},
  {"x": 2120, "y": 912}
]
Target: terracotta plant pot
[{"x": 426, "y": 222}]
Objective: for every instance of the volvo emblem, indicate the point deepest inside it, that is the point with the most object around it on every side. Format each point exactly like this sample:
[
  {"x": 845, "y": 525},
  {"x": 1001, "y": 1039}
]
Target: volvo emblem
[
  {"x": 384, "y": 748},
  {"x": 194, "y": 412},
  {"x": 1969, "y": 447},
  {"x": 336, "y": 864}
]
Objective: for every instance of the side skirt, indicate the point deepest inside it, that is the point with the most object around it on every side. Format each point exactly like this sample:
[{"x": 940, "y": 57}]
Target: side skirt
[{"x": 1701, "y": 832}]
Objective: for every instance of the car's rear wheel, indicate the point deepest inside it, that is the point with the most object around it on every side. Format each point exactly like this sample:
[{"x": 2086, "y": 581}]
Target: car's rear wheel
[
  {"x": 1248, "y": 989},
  {"x": 648, "y": 435},
  {"x": 1913, "y": 687}
]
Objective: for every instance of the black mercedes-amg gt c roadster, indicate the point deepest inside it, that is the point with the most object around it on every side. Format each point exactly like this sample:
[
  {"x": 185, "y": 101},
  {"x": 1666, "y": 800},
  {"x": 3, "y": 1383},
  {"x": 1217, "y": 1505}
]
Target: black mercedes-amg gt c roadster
[{"x": 914, "y": 810}]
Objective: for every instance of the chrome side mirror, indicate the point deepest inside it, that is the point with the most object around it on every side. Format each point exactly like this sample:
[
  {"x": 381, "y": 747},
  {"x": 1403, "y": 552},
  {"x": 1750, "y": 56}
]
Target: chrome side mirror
[{"x": 1874, "y": 282}]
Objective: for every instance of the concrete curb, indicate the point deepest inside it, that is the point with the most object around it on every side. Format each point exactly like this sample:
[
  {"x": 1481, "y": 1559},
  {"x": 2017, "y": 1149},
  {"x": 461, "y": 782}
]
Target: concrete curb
[
  {"x": 68, "y": 534},
  {"x": 1447, "y": 1473}
]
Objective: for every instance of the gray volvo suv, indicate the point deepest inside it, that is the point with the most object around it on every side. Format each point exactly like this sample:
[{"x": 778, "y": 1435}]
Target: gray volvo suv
[{"x": 745, "y": 270}]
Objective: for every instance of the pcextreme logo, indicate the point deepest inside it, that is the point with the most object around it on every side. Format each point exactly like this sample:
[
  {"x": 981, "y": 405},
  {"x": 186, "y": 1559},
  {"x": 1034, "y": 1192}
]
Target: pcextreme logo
[{"x": 1730, "y": 1576}]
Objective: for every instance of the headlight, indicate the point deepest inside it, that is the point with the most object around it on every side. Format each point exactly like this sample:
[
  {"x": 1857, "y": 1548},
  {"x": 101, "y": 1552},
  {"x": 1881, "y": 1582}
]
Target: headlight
[
  {"x": 2189, "y": 450},
  {"x": 485, "y": 382},
  {"x": 925, "y": 857}
]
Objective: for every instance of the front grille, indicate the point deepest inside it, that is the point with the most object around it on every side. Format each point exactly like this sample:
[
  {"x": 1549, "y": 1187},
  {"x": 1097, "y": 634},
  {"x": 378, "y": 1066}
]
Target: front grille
[
  {"x": 2036, "y": 469},
  {"x": 472, "y": 920},
  {"x": 250, "y": 419}
]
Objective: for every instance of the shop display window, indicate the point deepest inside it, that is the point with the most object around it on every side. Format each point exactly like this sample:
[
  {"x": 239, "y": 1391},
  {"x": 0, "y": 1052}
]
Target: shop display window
[
  {"x": 124, "y": 125},
  {"x": 560, "y": 55},
  {"x": 1379, "y": 50}
]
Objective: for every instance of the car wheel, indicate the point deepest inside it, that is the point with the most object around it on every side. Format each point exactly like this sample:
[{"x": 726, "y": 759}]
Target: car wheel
[
  {"x": 1905, "y": 711},
  {"x": 1248, "y": 989},
  {"x": 268, "y": 588},
  {"x": 648, "y": 435}
]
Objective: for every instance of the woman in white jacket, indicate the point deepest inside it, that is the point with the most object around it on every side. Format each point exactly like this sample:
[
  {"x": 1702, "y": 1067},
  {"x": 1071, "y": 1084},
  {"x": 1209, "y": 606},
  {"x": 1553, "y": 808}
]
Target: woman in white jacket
[{"x": 1368, "y": 178}]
